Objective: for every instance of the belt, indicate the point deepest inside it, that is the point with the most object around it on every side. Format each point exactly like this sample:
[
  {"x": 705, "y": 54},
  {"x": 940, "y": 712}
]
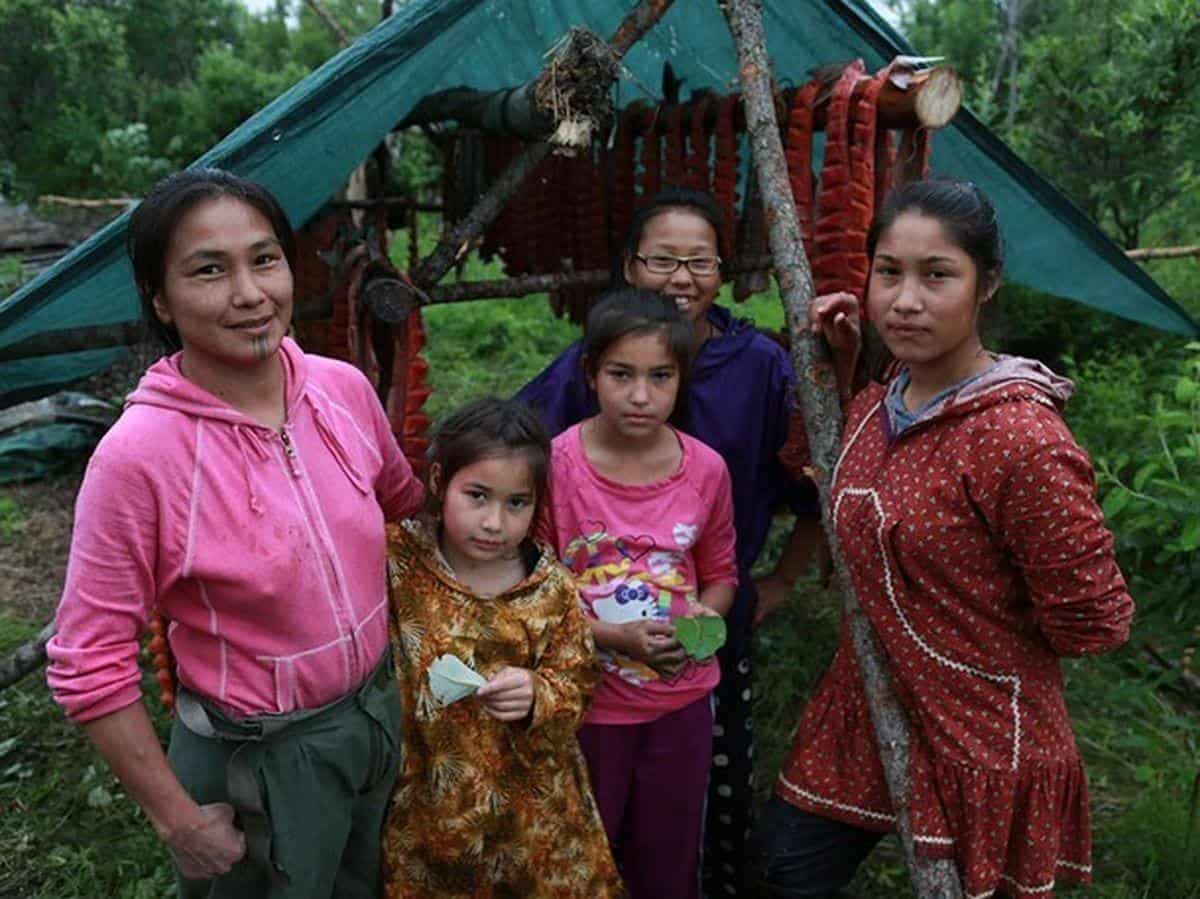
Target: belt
[{"x": 203, "y": 718}]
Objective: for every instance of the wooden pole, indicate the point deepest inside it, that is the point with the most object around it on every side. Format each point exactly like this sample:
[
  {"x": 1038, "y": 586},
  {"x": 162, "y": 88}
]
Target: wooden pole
[
  {"x": 462, "y": 237},
  {"x": 1162, "y": 253},
  {"x": 86, "y": 202},
  {"x": 27, "y": 658},
  {"x": 927, "y": 98},
  {"x": 931, "y": 878}
]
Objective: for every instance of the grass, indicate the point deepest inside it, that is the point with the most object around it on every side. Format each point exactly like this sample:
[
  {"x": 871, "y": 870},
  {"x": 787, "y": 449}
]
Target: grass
[
  {"x": 12, "y": 519},
  {"x": 69, "y": 831},
  {"x": 66, "y": 827}
]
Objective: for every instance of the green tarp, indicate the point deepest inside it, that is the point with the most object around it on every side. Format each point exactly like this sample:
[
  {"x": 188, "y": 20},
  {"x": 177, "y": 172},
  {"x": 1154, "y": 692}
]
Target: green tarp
[{"x": 305, "y": 143}]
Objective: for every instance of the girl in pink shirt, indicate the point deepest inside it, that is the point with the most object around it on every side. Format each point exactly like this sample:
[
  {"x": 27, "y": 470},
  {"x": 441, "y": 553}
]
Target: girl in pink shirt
[{"x": 642, "y": 515}]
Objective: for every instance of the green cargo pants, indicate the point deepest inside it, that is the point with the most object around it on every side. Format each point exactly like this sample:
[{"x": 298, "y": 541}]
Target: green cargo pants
[{"x": 324, "y": 783}]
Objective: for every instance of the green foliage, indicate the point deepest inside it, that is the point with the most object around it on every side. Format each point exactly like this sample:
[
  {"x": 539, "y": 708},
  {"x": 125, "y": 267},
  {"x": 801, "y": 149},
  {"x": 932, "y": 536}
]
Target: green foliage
[
  {"x": 124, "y": 161},
  {"x": 226, "y": 90},
  {"x": 12, "y": 275},
  {"x": 100, "y": 96},
  {"x": 1140, "y": 416},
  {"x": 415, "y": 162},
  {"x": 64, "y": 81},
  {"x": 1121, "y": 80}
]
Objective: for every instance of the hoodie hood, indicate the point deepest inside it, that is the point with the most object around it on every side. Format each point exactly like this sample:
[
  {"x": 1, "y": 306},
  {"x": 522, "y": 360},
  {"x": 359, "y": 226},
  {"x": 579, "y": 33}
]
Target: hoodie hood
[
  {"x": 163, "y": 385},
  {"x": 736, "y": 334},
  {"x": 1008, "y": 378}
]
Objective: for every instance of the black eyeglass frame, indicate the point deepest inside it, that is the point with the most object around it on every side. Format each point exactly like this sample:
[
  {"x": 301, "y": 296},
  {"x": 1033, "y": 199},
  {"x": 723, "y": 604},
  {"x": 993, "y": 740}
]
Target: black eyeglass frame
[{"x": 679, "y": 260}]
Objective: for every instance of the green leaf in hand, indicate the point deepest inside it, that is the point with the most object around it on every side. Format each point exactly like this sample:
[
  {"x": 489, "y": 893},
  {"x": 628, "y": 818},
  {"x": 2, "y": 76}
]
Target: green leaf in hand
[{"x": 701, "y": 635}]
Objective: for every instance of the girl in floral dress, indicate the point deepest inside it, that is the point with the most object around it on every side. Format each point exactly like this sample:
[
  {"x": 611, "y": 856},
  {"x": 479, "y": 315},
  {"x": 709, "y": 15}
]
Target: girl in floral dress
[
  {"x": 967, "y": 517},
  {"x": 493, "y": 797}
]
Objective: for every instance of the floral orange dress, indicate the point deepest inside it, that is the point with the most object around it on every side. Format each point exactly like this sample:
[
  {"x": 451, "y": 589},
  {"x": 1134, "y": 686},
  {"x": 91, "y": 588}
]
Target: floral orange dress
[{"x": 485, "y": 808}]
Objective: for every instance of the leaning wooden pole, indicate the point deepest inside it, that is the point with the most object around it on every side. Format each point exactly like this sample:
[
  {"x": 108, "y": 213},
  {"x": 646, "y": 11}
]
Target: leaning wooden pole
[{"x": 931, "y": 878}]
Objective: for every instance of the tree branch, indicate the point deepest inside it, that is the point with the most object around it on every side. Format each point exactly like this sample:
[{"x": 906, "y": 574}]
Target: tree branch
[{"x": 330, "y": 22}]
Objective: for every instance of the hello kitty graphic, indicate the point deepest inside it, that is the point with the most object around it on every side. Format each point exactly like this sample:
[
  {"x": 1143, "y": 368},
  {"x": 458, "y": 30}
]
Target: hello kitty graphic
[
  {"x": 685, "y": 534},
  {"x": 631, "y": 601}
]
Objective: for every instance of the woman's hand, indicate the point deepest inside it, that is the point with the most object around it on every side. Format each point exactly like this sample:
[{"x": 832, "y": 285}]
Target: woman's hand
[
  {"x": 209, "y": 845},
  {"x": 653, "y": 642},
  {"x": 774, "y": 591},
  {"x": 835, "y": 317},
  {"x": 508, "y": 694}
]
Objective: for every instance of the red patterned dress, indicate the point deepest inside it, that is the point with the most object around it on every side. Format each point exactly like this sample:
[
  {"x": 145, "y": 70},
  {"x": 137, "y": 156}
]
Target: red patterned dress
[{"x": 980, "y": 556}]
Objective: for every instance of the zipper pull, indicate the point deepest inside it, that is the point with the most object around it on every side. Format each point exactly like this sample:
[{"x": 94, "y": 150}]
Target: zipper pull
[{"x": 289, "y": 450}]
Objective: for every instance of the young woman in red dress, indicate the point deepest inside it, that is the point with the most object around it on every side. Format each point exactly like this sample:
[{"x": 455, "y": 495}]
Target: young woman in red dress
[{"x": 968, "y": 521}]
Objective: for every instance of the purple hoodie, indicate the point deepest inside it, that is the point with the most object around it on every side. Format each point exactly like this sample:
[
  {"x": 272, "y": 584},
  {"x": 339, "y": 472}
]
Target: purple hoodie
[{"x": 264, "y": 549}]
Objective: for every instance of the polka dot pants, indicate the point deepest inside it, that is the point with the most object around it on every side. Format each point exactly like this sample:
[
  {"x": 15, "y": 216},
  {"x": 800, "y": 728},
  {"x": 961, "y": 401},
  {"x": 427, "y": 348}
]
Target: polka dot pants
[{"x": 730, "y": 785}]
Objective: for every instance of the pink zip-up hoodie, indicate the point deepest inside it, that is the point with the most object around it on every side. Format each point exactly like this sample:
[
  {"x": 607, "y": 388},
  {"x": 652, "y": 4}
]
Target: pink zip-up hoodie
[{"x": 265, "y": 549}]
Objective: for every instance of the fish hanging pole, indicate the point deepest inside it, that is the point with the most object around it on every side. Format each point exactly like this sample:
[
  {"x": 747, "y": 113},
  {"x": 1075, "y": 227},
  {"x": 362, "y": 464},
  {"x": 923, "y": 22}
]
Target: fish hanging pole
[
  {"x": 462, "y": 236},
  {"x": 816, "y": 386}
]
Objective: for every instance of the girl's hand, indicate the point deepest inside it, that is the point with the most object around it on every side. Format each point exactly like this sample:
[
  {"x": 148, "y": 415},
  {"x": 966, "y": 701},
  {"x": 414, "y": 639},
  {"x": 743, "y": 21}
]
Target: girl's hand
[
  {"x": 654, "y": 643},
  {"x": 697, "y": 609},
  {"x": 508, "y": 694},
  {"x": 835, "y": 317},
  {"x": 210, "y": 845}
]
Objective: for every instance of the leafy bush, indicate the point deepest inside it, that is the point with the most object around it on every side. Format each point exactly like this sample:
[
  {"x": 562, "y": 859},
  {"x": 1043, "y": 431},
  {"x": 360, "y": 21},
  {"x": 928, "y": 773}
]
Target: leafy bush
[
  {"x": 126, "y": 163},
  {"x": 1142, "y": 421}
]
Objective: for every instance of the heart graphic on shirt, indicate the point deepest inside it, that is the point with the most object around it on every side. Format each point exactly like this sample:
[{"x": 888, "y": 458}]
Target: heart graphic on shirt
[
  {"x": 591, "y": 528},
  {"x": 636, "y": 546}
]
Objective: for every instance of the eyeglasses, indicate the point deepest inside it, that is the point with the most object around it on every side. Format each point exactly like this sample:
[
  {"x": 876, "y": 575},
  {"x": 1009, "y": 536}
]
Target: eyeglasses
[{"x": 668, "y": 265}]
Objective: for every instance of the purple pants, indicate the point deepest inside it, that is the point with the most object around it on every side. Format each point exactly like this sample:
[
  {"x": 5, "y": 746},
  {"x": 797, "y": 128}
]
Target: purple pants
[{"x": 650, "y": 782}]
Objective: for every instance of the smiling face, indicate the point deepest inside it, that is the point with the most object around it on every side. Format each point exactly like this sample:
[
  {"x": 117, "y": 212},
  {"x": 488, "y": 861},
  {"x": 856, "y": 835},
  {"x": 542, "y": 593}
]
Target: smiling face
[
  {"x": 924, "y": 295},
  {"x": 487, "y": 509},
  {"x": 227, "y": 288},
  {"x": 678, "y": 232},
  {"x": 636, "y": 384}
]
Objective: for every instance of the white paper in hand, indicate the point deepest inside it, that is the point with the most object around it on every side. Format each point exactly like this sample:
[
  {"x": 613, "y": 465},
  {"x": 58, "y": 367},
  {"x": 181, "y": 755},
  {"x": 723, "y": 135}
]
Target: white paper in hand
[{"x": 450, "y": 679}]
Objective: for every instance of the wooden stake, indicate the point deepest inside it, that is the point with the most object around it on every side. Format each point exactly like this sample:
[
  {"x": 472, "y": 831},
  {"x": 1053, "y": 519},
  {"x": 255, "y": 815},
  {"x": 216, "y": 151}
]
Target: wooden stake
[{"x": 931, "y": 878}]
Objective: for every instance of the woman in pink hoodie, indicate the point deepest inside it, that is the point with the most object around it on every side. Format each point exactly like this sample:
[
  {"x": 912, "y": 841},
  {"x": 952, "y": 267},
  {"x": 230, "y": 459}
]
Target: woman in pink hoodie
[{"x": 243, "y": 494}]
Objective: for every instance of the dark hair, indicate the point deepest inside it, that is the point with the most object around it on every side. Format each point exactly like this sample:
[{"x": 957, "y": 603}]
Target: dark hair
[
  {"x": 965, "y": 213},
  {"x": 483, "y": 429},
  {"x": 153, "y": 224},
  {"x": 688, "y": 199},
  {"x": 638, "y": 310}
]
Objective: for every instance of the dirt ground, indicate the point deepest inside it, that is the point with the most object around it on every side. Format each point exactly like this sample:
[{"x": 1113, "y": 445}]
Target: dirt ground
[
  {"x": 34, "y": 543},
  {"x": 33, "y": 560}
]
